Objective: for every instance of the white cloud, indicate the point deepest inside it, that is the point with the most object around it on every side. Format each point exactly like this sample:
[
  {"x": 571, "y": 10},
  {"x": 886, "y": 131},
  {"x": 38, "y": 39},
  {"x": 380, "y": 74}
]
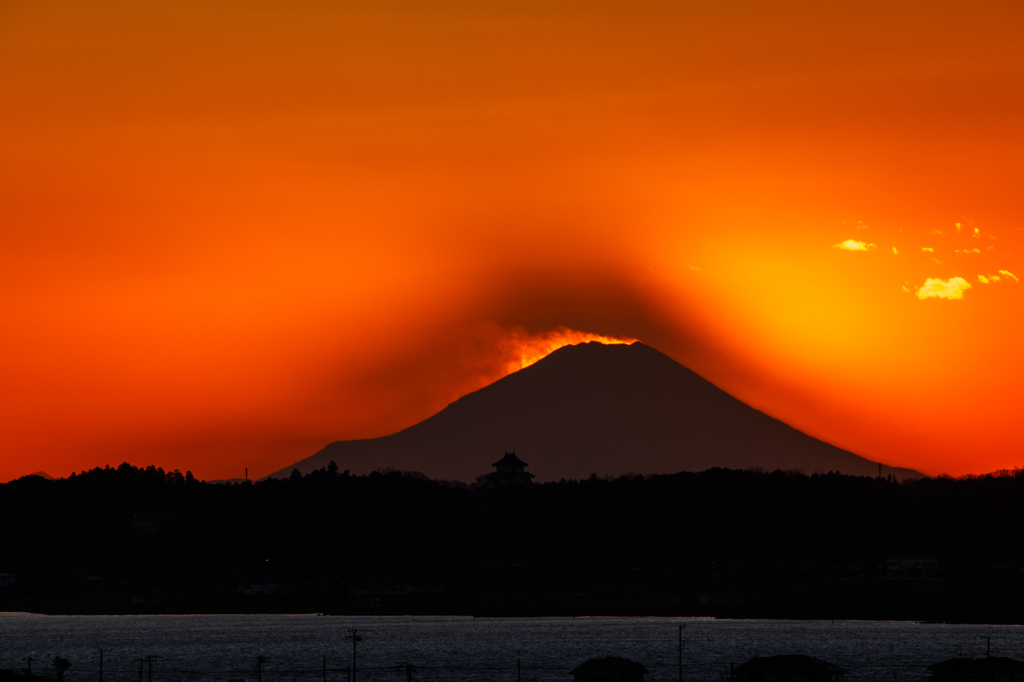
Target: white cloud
[
  {"x": 952, "y": 288},
  {"x": 854, "y": 245}
]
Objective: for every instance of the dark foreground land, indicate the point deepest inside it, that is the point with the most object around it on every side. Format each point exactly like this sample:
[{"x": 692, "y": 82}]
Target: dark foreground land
[{"x": 721, "y": 542}]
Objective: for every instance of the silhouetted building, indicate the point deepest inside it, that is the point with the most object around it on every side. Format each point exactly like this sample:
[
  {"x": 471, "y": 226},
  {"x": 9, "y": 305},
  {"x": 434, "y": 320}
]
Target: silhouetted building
[
  {"x": 612, "y": 669},
  {"x": 509, "y": 470},
  {"x": 911, "y": 569},
  {"x": 788, "y": 669},
  {"x": 988, "y": 669}
]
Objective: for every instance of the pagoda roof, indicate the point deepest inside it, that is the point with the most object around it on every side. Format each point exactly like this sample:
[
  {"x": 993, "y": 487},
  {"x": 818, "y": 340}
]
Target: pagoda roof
[{"x": 510, "y": 460}]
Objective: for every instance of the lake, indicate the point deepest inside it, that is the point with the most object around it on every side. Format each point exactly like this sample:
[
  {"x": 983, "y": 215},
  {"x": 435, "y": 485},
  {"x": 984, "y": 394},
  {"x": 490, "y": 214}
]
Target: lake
[{"x": 456, "y": 649}]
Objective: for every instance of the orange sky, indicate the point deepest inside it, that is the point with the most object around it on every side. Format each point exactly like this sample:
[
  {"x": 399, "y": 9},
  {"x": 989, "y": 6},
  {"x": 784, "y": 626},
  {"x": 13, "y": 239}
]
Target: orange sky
[{"x": 231, "y": 232}]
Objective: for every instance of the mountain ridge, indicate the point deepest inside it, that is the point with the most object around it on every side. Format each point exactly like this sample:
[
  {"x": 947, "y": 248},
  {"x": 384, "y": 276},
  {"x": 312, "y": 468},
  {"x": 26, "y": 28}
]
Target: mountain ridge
[{"x": 595, "y": 408}]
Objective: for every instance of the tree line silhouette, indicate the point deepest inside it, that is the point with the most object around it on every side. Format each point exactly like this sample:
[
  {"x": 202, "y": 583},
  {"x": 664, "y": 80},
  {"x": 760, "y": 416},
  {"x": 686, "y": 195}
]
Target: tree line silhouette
[{"x": 721, "y": 541}]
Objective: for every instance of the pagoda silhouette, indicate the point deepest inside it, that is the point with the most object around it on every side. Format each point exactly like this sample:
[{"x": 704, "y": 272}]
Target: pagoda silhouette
[{"x": 509, "y": 471}]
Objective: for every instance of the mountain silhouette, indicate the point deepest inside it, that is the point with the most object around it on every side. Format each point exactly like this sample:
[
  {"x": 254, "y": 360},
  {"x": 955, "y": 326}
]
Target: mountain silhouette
[{"x": 595, "y": 408}]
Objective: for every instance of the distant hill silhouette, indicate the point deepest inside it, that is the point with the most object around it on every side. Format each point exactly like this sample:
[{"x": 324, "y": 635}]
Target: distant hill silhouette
[{"x": 594, "y": 408}]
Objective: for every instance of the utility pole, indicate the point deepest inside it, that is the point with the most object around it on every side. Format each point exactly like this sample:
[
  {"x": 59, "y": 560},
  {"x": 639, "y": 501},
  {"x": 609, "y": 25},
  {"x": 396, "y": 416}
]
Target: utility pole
[
  {"x": 325, "y": 668},
  {"x": 259, "y": 668},
  {"x": 355, "y": 638},
  {"x": 408, "y": 672},
  {"x": 519, "y": 670},
  {"x": 142, "y": 663},
  {"x": 681, "y": 645},
  {"x": 101, "y": 665},
  {"x": 150, "y": 659},
  {"x": 29, "y": 659}
]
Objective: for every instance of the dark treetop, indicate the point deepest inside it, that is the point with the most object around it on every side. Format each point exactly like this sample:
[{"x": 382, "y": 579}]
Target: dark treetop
[{"x": 721, "y": 542}]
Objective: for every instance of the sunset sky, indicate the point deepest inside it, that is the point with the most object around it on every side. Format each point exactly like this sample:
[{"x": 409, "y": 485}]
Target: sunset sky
[{"x": 232, "y": 232}]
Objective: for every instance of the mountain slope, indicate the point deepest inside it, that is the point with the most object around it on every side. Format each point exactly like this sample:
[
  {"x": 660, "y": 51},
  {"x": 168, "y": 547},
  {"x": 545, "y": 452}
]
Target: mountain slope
[{"x": 599, "y": 409}]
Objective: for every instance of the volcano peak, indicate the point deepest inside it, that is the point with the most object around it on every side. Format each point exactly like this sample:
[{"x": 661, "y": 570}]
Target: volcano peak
[{"x": 595, "y": 408}]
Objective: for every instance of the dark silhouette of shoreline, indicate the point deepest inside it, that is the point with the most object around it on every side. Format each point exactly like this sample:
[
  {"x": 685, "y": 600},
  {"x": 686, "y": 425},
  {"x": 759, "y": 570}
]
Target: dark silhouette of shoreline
[{"x": 721, "y": 542}]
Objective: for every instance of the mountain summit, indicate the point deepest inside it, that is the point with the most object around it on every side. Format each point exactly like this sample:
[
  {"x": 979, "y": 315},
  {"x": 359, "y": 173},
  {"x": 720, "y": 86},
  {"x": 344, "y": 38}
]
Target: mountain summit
[{"x": 594, "y": 408}]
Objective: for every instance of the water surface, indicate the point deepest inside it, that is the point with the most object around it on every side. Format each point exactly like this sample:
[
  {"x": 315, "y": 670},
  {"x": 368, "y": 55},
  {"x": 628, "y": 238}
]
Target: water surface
[{"x": 462, "y": 649}]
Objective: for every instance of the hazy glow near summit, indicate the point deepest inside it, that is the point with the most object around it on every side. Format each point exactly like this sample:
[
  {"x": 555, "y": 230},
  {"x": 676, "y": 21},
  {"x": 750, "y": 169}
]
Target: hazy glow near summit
[
  {"x": 231, "y": 233},
  {"x": 534, "y": 347}
]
